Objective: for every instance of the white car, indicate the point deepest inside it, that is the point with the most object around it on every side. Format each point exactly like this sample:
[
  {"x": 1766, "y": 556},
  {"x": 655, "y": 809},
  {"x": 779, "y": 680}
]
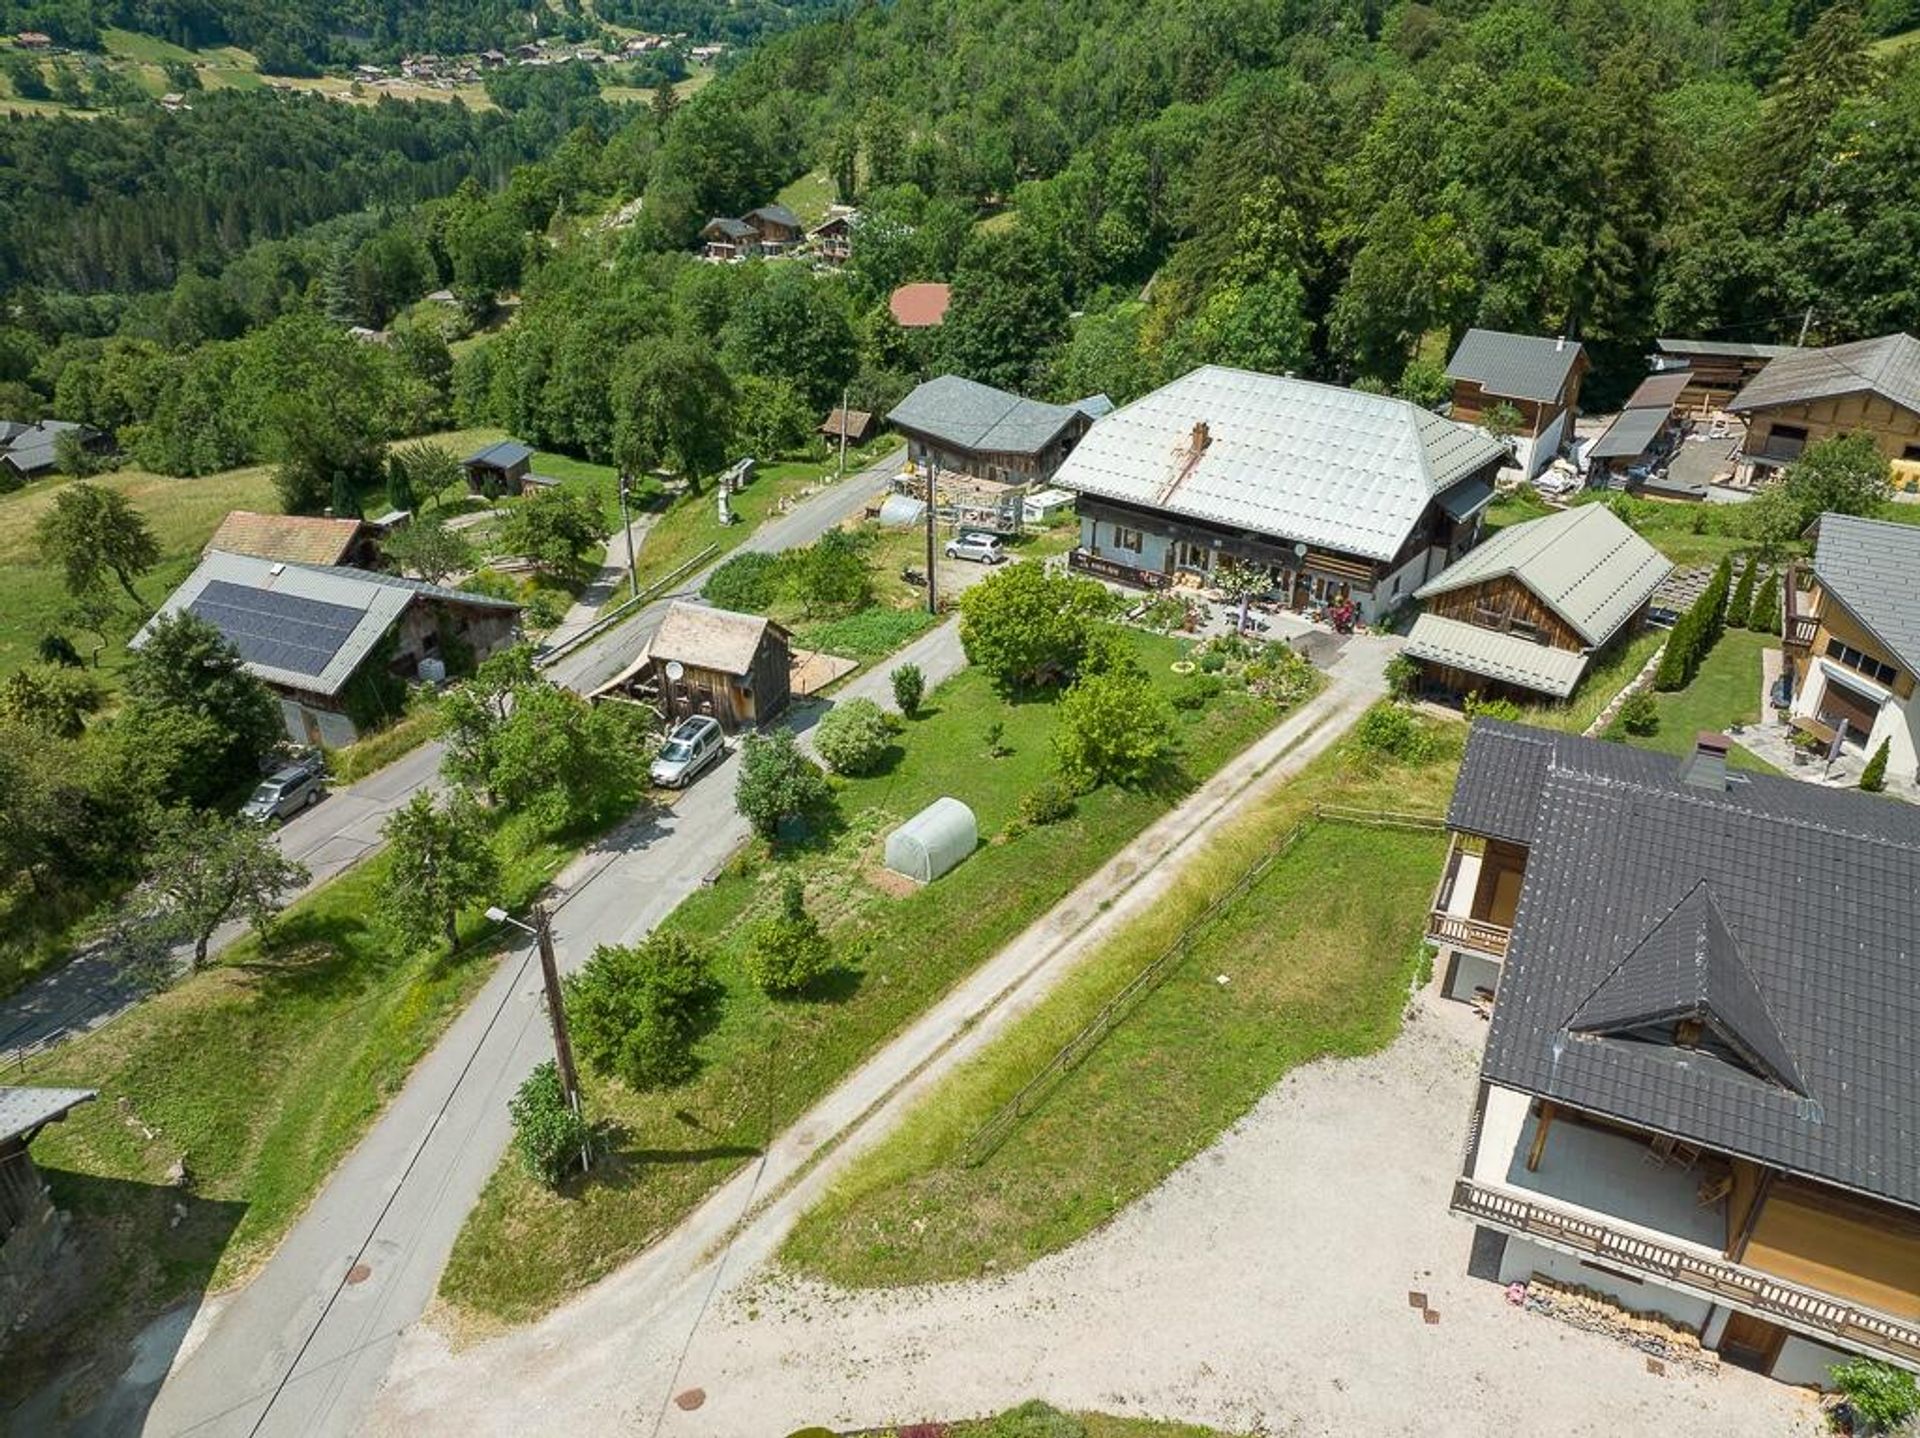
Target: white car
[
  {"x": 691, "y": 747},
  {"x": 980, "y": 548}
]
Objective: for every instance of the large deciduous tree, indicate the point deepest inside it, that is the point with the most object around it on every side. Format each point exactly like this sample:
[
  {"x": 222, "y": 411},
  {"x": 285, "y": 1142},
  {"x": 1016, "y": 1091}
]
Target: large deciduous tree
[
  {"x": 636, "y": 1010},
  {"x": 440, "y": 860},
  {"x": 777, "y": 782},
  {"x": 93, "y": 534},
  {"x": 204, "y": 869},
  {"x": 1024, "y": 626},
  {"x": 187, "y": 683},
  {"x": 672, "y": 405}
]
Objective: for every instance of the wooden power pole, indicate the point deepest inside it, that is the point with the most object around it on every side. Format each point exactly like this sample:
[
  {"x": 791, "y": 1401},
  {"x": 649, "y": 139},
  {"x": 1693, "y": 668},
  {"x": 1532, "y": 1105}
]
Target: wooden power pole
[
  {"x": 557, "y": 1013},
  {"x": 933, "y": 497}
]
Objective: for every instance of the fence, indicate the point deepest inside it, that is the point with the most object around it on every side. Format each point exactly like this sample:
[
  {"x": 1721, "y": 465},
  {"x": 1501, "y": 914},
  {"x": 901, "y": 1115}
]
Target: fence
[{"x": 987, "y": 1139}]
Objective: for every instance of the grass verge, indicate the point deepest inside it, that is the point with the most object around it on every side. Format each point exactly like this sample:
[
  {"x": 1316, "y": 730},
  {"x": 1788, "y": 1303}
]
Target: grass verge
[
  {"x": 1605, "y": 677},
  {"x": 765, "y": 1063},
  {"x": 1318, "y": 957}
]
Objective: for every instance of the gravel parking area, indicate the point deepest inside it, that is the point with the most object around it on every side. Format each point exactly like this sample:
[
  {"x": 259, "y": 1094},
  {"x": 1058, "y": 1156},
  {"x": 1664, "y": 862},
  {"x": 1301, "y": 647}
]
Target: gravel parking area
[{"x": 1264, "y": 1288}]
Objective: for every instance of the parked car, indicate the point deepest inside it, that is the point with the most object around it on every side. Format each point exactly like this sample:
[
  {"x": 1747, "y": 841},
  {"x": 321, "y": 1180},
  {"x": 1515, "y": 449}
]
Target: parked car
[
  {"x": 297, "y": 786},
  {"x": 980, "y": 548},
  {"x": 691, "y": 747}
]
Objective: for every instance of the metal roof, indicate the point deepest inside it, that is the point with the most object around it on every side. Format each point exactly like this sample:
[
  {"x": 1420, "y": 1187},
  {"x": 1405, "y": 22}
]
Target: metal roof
[
  {"x": 1870, "y": 565},
  {"x": 1724, "y": 349},
  {"x": 1584, "y": 563},
  {"x": 23, "y": 1111},
  {"x": 1514, "y": 366},
  {"x": 1506, "y": 657},
  {"x": 31, "y": 448},
  {"x": 706, "y": 638},
  {"x": 1631, "y": 434},
  {"x": 1283, "y": 457},
  {"x": 502, "y": 454},
  {"x": 973, "y": 416},
  {"x": 1095, "y": 406},
  {"x": 1660, "y": 391},
  {"x": 1888, "y": 366},
  {"x": 306, "y": 627},
  {"x": 1783, "y": 911}
]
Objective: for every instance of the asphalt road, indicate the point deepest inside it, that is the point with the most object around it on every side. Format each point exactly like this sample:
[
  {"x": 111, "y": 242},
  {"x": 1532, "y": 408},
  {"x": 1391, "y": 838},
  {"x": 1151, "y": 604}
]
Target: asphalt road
[{"x": 303, "y": 1347}]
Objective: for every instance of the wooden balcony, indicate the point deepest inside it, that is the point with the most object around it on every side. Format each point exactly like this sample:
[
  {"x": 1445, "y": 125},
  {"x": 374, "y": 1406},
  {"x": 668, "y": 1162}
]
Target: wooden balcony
[
  {"x": 1474, "y": 935},
  {"x": 1808, "y": 1310},
  {"x": 1799, "y": 631}
]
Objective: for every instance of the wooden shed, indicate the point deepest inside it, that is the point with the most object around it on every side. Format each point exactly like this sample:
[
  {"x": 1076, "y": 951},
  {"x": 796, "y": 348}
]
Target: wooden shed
[
  {"x": 735, "y": 667},
  {"x": 499, "y": 469},
  {"x": 30, "y": 1228}
]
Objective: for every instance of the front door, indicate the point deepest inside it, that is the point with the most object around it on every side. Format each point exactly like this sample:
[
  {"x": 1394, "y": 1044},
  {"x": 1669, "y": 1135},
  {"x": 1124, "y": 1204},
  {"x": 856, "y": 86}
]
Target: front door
[
  {"x": 1751, "y": 1342},
  {"x": 1841, "y": 705}
]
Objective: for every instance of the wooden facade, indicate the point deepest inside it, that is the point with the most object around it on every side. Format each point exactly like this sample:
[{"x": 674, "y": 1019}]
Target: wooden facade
[
  {"x": 1507, "y": 606},
  {"x": 1779, "y": 434},
  {"x": 1471, "y": 402},
  {"x": 999, "y": 466},
  {"x": 738, "y": 701}
]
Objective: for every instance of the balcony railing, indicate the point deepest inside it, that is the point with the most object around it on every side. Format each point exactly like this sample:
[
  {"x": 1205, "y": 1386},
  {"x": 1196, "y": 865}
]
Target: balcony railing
[
  {"x": 1807, "y": 1309},
  {"x": 1476, "y": 935},
  {"x": 1800, "y": 629}
]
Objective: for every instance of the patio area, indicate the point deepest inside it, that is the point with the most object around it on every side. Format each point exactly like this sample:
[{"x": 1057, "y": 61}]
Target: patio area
[{"x": 1772, "y": 740}]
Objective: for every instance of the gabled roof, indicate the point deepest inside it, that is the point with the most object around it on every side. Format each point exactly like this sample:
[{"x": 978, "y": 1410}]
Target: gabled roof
[
  {"x": 777, "y": 214},
  {"x": 25, "y": 1111},
  {"x": 34, "y": 448},
  {"x": 1514, "y": 366},
  {"x": 853, "y": 423},
  {"x": 719, "y": 639},
  {"x": 920, "y": 306},
  {"x": 502, "y": 454},
  {"x": 1888, "y": 367},
  {"x": 1489, "y": 652},
  {"x": 1584, "y": 563},
  {"x": 732, "y": 229},
  {"x": 1873, "y": 567},
  {"x": 1783, "y": 910},
  {"x": 1689, "y": 967},
  {"x": 978, "y": 417},
  {"x": 296, "y": 538},
  {"x": 1284, "y": 457},
  {"x": 300, "y": 626}
]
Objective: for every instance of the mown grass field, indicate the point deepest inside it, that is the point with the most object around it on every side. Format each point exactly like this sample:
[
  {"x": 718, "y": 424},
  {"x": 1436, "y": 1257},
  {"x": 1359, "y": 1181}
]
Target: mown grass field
[
  {"x": 764, "y": 1063},
  {"x": 259, "y": 1074},
  {"x": 1318, "y": 957}
]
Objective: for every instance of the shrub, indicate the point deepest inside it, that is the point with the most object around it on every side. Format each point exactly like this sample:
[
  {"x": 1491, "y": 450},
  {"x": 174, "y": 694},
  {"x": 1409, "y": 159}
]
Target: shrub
[
  {"x": 1113, "y": 727},
  {"x": 853, "y": 737},
  {"x": 1478, "y": 706},
  {"x": 1639, "y": 715},
  {"x": 1741, "y": 604},
  {"x": 994, "y": 734},
  {"x": 1387, "y": 728},
  {"x": 547, "y": 1134},
  {"x": 1199, "y": 691},
  {"x": 909, "y": 688},
  {"x": 1048, "y": 802},
  {"x": 788, "y": 952},
  {"x": 777, "y": 782},
  {"x": 1033, "y": 1420},
  {"x": 1212, "y": 662},
  {"x": 1873, "y": 778},
  {"x": 1882, "y": 1397},
  {"x": 1764, "y": 616},
  {"x": 748, "y": 582},
  {"x": 1403, "y": 674},
  {"x": 1677, "y": 660},
  {"x": 636, "y": 1010}
]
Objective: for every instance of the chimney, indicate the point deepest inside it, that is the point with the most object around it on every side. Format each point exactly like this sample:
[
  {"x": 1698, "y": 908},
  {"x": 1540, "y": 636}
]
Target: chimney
[
  {"x": 1560, "y": 344},
  {"x": 1202, "y": 437},
  {"x": 1706, "y": 768}
]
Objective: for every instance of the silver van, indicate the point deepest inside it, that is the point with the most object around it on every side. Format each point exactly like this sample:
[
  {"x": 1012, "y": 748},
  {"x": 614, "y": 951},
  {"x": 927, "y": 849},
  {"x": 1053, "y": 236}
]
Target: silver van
[{"x": 298, "y": 786}]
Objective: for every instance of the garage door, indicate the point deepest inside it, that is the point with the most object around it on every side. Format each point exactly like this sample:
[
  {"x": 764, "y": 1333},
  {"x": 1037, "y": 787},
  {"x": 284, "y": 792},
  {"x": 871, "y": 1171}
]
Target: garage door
[{"x": 1842, "y": 705}]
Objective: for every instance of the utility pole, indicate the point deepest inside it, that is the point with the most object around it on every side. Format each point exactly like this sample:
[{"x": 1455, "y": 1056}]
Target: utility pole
[
  {"x": 557, "y": 1013},
  {"x": 626, "y": 523},
  {"x": 933, "y": 494},
  {"x": 843, "y": 434}
]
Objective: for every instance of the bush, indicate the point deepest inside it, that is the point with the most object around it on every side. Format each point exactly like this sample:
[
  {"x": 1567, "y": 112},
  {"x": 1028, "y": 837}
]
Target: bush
[
  {"x": 1212, "y": 662},
  {"x": 1764, "y": 616},
  {"x": 1387, "y": 728},
  {"x": 1113, "y": 728},
  {"x": 909, "y": 688},
  {"x": 636, "y": 1010},
  {"x": 1882, "y": 1397},
  {"x": 788, "y": 952},
  {"x": 1873, "y": 778},
  {"x": 1033, "y": 1420},
  {"x": 749, "y": 582},
  {"x": 1048, "y": 802},
  {"x": 853, "y": 737},
  {"x": 777, "y": 782},
  {"x": 547, "y": 1134},
  {"x": 1677, "y": 661},
  {"x": 1403, "y": 675},
  {"x": 1640, "y": 715},
  {"x": 1479, "y": 707},
  {"x": 1199, "y": 691},
  {"x": 1742, "y": 603}
]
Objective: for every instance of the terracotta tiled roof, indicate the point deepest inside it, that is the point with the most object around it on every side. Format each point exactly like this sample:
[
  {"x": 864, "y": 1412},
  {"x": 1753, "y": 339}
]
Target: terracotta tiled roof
[
  {"x": 919, "y": 307},
  {"x": 292, "y": 538}
]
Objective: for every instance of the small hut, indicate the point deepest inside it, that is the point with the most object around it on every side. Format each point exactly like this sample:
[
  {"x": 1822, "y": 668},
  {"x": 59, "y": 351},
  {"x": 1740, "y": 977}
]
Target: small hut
[
  {"x": 933, "y": 841},
  {"x": 735, "y": 667},
  {"x": 499, "y": 469}
]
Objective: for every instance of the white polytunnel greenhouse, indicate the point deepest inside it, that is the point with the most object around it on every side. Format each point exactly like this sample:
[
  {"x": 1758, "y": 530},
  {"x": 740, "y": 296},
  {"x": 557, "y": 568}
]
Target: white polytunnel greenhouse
[{"x": 933, "y": 841}]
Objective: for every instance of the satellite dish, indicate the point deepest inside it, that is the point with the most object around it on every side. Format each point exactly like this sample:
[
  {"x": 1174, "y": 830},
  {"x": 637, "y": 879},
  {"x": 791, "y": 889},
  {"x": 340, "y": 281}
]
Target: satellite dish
[
  {"x": 1299, "y": 551},
  {"x": 676, "y": 671}
]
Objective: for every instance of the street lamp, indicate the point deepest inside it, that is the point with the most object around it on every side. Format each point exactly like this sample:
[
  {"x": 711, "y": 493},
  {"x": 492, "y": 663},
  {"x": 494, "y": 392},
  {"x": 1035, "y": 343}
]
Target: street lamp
[{"x": 542, "y": 930}]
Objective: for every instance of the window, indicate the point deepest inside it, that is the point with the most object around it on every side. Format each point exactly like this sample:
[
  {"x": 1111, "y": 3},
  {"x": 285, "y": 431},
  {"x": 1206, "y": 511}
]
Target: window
[
  {"x": 1794, "y": 432},
  {"x": 1130, "y": 540},
  {"x": 1911, "y": 454},
  {"x": 1865, "y": 663}
]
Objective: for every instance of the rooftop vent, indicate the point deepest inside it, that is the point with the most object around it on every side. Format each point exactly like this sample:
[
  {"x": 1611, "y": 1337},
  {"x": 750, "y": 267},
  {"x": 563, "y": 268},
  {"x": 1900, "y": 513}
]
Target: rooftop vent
[{"x": 1706, "y": 767}]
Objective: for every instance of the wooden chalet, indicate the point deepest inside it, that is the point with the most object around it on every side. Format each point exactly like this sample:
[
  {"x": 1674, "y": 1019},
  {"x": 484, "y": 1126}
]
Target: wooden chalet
[
  {"x": 498, "y": 470},
  {"x": 1871, "y": 387},
  {"x": 1716, "y": 370},
  {"x": 831, "y": 241},
  {"x": 736, "y": 668},
  {"x": 1536, "y": 377}
]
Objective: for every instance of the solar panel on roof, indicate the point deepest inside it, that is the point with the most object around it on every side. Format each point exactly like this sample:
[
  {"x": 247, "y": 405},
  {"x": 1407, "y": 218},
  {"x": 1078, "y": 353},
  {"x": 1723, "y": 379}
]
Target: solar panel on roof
[{"x": 277, "y": 631}]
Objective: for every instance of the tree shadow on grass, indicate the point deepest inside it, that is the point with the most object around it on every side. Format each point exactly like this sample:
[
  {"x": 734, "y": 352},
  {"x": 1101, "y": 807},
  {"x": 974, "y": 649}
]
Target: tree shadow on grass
[
  {"x": 836, "y": 986},
  {"x": 113, "y": 1306},
  {"x": 311, "y": 955},
  {"x": 622, "y": 1161}
]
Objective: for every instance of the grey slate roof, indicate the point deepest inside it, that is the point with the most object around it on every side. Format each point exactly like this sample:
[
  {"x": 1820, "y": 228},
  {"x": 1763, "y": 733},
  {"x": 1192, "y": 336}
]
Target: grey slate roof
[
  {"x": 1873, "y": 567},
  {"x": 1888, "y": 366},
  {"x": 1506, "y": 657},
  {"x": 1781, "y": 912},
  {"x": 24, "y": 1110},
  {"x": 1514, "y": 366},
  {"x": 1631, "y": 434},
  {"x": 301, "y": 626},
  {"x": 1288, "y": 458},
  {"x": 501, "y": 454},
  {"x": 31, "y": 448},
  {"x": 979, "y": 417},
  {"x": 779, "y": 214},
  {"x": 1586, "y": 565}
]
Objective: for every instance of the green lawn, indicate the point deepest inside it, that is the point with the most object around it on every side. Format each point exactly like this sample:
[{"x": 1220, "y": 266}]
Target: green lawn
[
  {"x": 1688, "y": 534},
  {"x": 1318, "y": 955},
  {"x": 1605, "y": 677},
  {"x": 1725, "y": 692},
  {"x": 259, "y": 1073},
  {"x": 764, "y": 1063},
  {"x": 808, "y": 197}
]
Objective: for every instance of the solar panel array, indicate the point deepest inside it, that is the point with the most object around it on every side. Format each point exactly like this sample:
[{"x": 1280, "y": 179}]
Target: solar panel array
[{"x": 278, "y": 631}]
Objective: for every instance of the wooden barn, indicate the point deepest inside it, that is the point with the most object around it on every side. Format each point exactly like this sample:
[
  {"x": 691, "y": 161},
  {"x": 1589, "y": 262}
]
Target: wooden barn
[{"x": 735, "y": 667}]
